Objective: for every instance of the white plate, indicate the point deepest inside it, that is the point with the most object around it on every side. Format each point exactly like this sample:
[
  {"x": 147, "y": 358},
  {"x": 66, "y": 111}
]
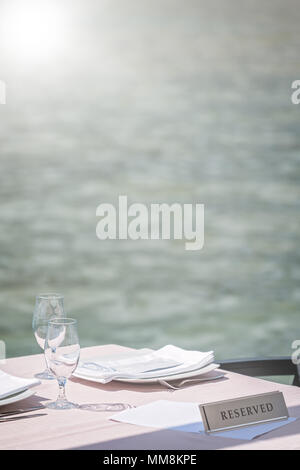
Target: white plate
[
  {"x": 17, "y": 397},
  {"x": 169, "y": 378}
]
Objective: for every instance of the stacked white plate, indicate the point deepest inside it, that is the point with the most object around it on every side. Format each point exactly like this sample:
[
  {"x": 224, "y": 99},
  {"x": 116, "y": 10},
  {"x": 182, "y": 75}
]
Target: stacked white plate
[
  {"x": 147, "y": 366},
  {"x": 13, "y": 389}
]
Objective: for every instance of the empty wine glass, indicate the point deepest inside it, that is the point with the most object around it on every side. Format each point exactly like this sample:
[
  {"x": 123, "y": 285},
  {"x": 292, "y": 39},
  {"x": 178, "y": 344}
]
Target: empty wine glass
[
  {"x": 62, "y": 352},
  {"x": 47, "y": 306}
]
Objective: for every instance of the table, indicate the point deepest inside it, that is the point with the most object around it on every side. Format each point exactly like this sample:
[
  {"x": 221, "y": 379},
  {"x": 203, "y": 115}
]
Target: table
[{"x": 81, "y": 429}]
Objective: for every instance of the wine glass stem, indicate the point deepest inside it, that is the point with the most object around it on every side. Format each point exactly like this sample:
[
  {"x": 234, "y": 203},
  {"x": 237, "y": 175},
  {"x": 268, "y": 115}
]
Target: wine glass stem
[{"x": 62, "y": 389}]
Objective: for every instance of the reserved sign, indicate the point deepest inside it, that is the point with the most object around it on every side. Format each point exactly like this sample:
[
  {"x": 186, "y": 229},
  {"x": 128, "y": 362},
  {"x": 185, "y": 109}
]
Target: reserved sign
[{"x": 246, "y": 411}]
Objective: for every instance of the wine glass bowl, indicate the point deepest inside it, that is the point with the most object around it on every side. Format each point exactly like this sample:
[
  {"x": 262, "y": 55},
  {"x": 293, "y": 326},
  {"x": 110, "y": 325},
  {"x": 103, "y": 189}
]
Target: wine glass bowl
[{"x": 47, "y": 306}]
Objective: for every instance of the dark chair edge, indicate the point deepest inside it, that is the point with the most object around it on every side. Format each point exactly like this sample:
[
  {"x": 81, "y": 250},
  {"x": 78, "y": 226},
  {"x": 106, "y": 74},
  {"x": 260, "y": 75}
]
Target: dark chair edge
[{"x": 263, "y": 367}]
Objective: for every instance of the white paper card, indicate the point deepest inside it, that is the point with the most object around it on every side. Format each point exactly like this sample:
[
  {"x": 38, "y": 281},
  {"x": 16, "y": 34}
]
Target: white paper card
[{"x": 186, "y": 417}]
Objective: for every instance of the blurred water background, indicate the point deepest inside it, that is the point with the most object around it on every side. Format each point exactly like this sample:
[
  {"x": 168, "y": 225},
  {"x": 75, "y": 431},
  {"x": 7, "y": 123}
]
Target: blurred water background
[{"x": 164, "y": 101}]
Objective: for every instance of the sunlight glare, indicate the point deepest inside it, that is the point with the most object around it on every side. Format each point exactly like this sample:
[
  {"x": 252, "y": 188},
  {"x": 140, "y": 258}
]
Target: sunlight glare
[{"x": 32, "y": 29}]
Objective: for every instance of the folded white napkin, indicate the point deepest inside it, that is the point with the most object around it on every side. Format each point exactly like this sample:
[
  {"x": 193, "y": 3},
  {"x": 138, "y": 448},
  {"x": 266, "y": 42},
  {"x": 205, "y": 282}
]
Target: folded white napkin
[
  {"x": 180, "y": 416},
  {"x": 169, "y": 360},
  {"x": 9, "y": 384}
]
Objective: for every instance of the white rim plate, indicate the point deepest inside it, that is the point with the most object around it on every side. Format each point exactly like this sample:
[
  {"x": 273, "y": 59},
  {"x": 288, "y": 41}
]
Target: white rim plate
[
  {"x": 18, "y": 397},
  {"x": 169, "y": 378}
]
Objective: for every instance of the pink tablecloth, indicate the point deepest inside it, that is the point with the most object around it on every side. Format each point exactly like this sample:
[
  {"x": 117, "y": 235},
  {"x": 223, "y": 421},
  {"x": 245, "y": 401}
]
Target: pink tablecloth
[{"x": 73, "y": 429}]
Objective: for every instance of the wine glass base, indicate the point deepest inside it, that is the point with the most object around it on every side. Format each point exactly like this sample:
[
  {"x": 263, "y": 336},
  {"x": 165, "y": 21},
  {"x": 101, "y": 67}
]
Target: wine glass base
[
  {"x": 61, "y": 405},
  {"x": 45, "y": 375},
  {"x": 105, "y": 406}
]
